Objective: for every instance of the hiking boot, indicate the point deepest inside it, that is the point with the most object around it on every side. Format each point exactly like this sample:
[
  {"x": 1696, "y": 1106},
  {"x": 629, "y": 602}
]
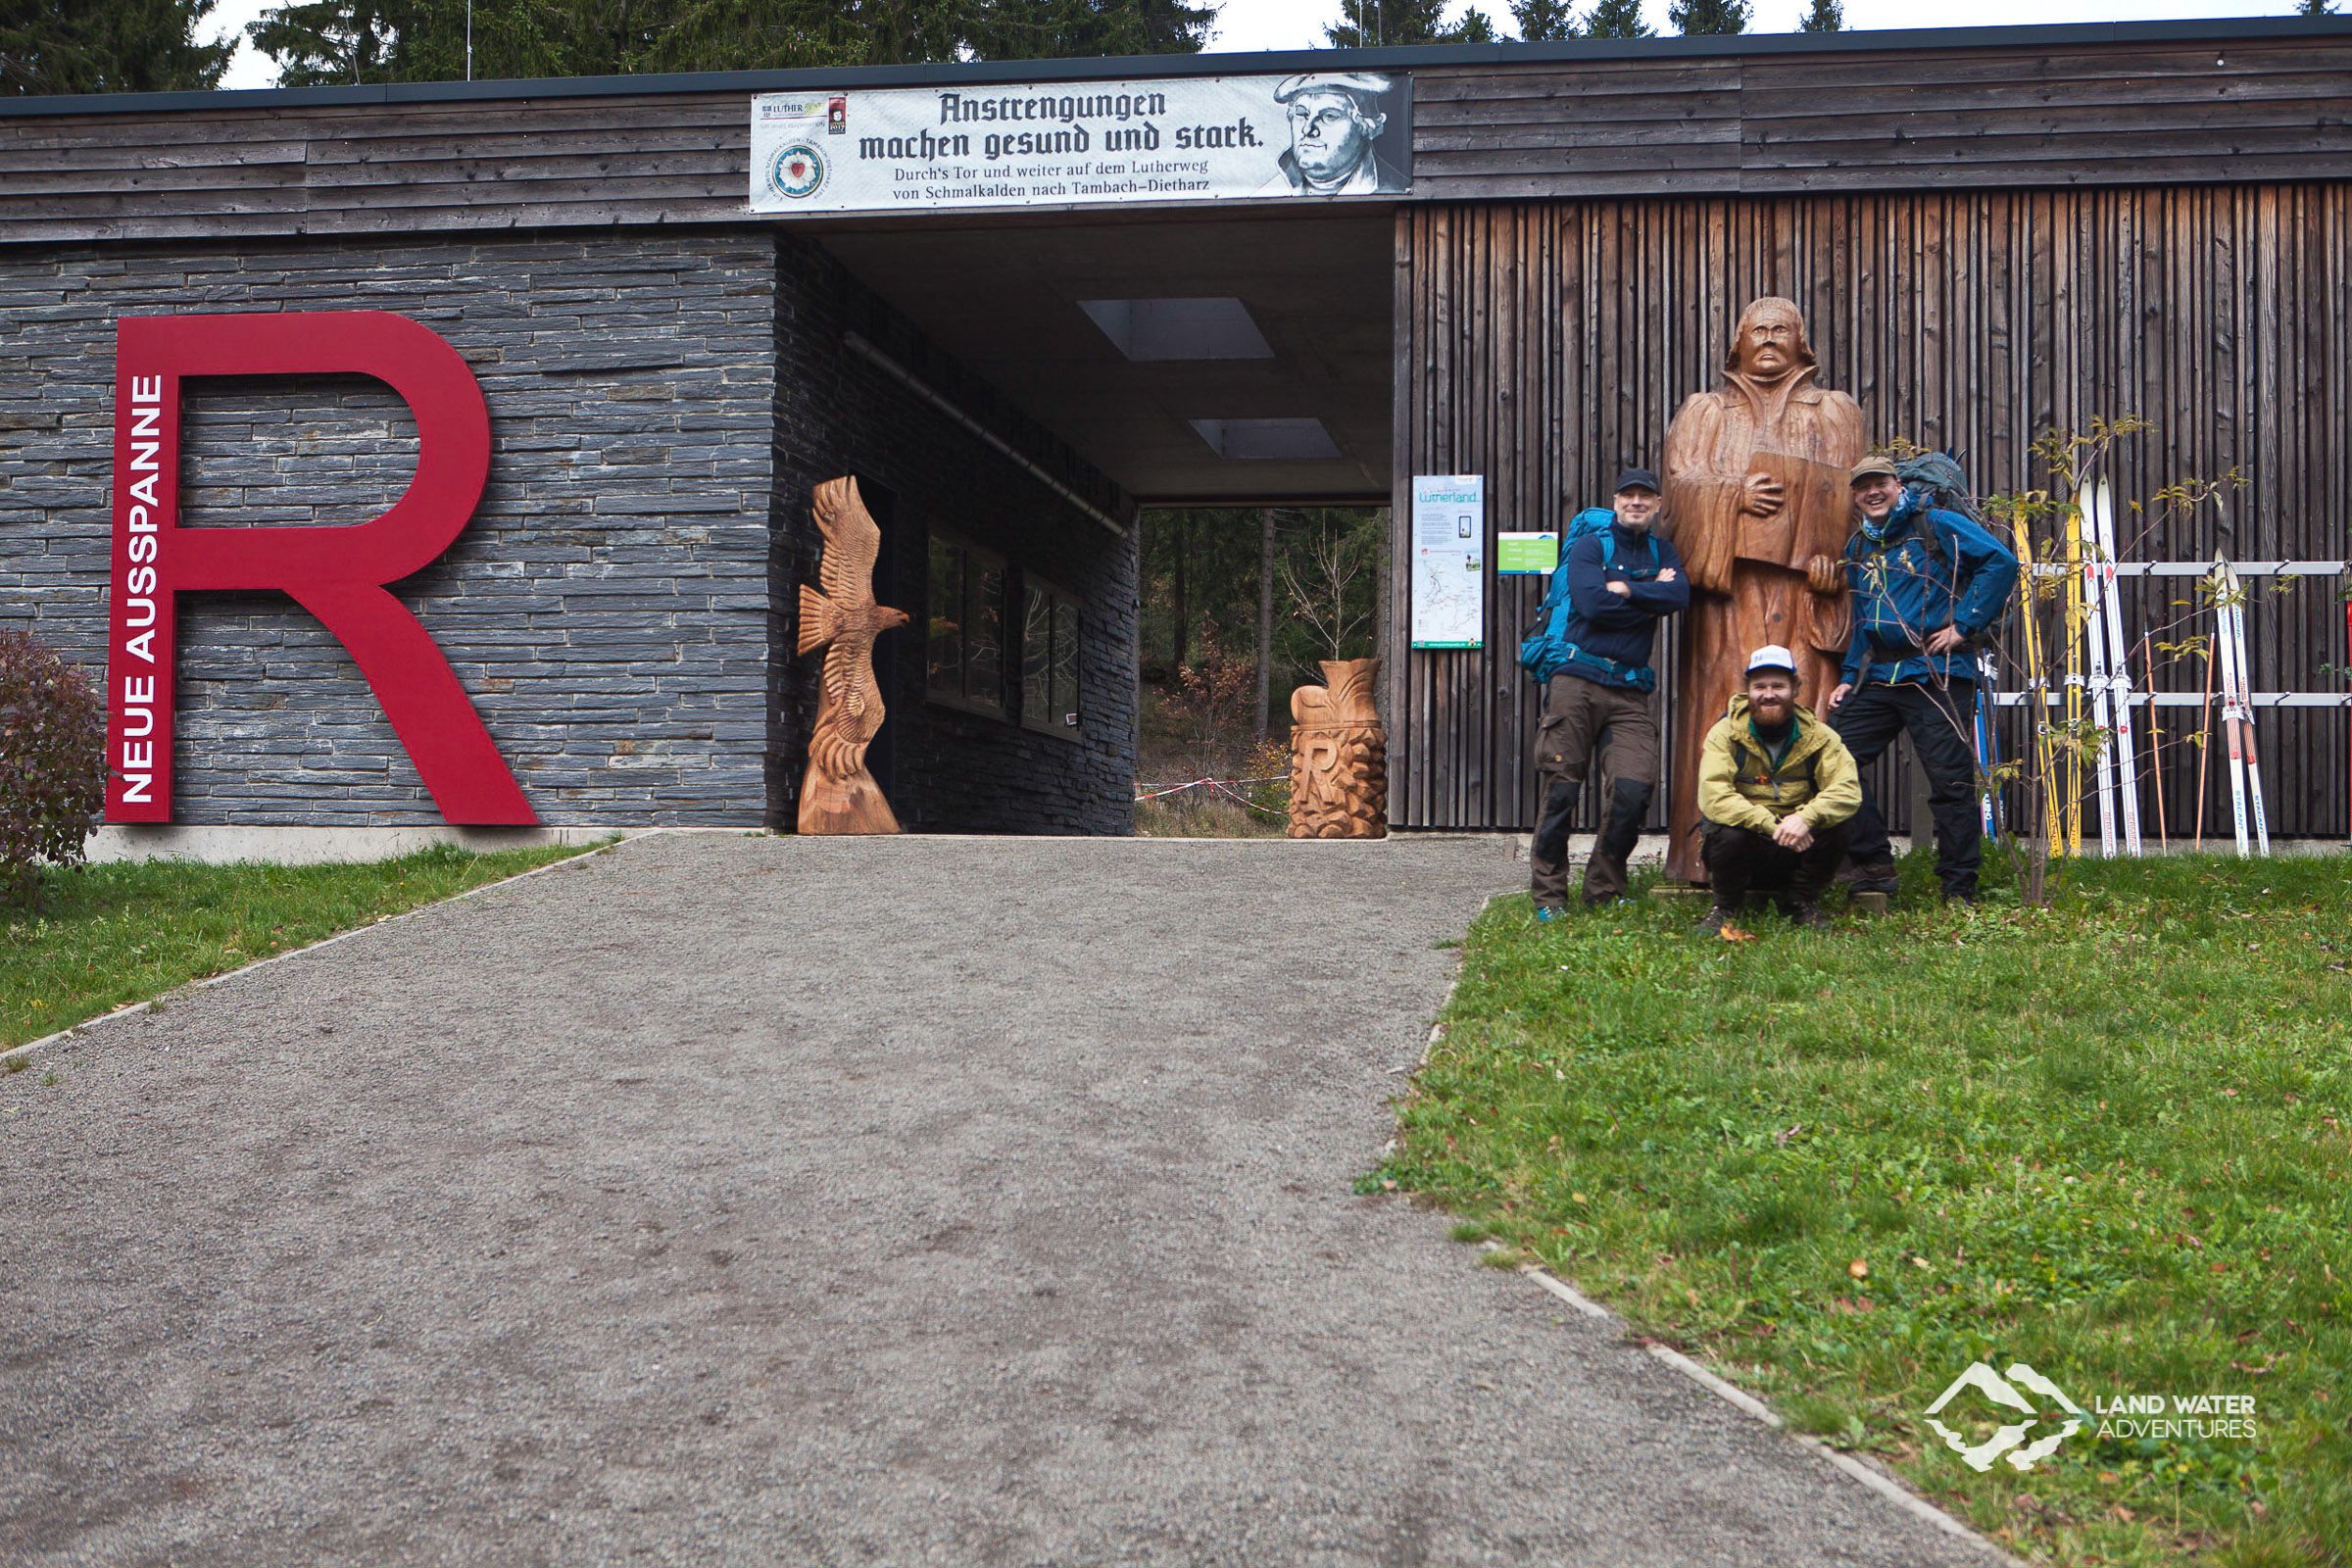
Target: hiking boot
[
  {"x": 1711, "y": 923},
  {"x": 1879, "y": 878},
  {"x": 1967, "y": 896},
  {"x": 1806, "y": 916}
]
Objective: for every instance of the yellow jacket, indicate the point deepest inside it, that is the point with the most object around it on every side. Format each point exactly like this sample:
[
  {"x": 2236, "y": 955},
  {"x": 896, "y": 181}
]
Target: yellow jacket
[{"x": 1738, "y": 787}]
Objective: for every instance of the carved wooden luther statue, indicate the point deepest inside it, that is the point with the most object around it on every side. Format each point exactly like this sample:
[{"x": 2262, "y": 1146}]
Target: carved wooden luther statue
[
  {"x": 1339, "y": 756},
  {"x": 1756, "y": 501},
  {"x": 838, "y": 794}
]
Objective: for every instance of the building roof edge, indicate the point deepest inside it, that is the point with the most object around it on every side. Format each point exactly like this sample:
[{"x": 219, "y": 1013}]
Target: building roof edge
[{"x": 986, "y": 72}]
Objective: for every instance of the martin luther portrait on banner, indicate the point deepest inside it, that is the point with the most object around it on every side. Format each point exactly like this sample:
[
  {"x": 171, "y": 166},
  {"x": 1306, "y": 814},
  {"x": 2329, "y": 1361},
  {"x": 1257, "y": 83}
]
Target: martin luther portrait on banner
[
  {"x": 1757, "y": 504},
  {"x": 1338, "y": 122}
]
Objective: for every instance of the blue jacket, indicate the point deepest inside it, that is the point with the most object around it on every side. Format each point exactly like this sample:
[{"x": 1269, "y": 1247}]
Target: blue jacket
[
  {"x": 1604, "y": 623},
  {"x": 1933, "y": 568}
]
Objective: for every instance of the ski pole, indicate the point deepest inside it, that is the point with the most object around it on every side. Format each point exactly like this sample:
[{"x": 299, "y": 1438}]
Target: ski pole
[
  {"x": 2073, "y": 679},
  {"x": 2147, "y": 662},
  {"x": 2245, "y": 702},
  {"x": 2232, "y": 716},
  {"x": 2119, "y": 673}
]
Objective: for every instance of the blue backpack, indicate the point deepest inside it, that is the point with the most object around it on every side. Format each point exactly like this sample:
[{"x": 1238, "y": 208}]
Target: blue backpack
[{"x": 1546, "y": 650}]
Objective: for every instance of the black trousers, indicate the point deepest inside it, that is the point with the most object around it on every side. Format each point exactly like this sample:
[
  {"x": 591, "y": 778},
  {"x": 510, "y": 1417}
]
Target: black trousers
[
  {"x": 1941, "y": 722},
  {"x": 1581, "y": 718},
  {"x": 1740, "y": 861}
]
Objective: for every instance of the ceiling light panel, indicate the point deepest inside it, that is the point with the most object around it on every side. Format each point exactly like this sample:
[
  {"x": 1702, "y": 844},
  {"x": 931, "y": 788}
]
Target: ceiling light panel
[
  {"x": 1179, "y": 330},
  {"x": 1297, "y": 440}
]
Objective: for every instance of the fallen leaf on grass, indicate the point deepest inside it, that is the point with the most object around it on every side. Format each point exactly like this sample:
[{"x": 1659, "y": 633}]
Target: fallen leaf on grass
[
  {"x": 1733, "y": 933},
  {"x": 1858, "y": 1269}
]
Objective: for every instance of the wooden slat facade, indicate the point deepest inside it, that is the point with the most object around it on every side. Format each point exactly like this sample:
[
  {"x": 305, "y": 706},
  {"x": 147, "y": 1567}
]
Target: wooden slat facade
[
  {"x": 2146, "y": 105},
  {"x": 2124, "y": 112},
  {"x": 1543, "y": 344},
  {"x": 306, "y": 168}
]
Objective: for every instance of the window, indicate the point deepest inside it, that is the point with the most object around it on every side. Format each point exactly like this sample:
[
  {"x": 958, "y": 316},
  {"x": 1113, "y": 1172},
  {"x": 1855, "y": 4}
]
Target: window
[
  {"x": 966, "y": 601},
  {"x": 1050, "y": 660}
]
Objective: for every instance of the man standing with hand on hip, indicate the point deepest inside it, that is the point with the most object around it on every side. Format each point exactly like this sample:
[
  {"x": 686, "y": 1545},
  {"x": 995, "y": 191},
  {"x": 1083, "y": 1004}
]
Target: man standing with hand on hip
[
  {"x": 1593, "y": 650},
  {"x": 1928, "y": 584}
]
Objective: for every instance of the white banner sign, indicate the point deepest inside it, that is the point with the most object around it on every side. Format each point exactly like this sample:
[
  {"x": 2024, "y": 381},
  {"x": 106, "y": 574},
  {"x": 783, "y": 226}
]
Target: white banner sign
[
  {"x": 1449, "y": 578},
  {"x": 1059, "y": 144}
]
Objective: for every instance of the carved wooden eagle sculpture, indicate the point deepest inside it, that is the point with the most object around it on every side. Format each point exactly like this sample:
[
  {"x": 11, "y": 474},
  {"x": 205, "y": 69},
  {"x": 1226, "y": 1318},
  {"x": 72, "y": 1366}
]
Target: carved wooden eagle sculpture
[{"x": 838, "y": 794}]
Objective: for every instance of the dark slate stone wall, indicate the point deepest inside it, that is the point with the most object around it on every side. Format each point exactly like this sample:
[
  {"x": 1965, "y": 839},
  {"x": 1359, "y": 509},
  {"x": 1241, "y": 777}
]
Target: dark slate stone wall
[
  {"x": 946, "y": 769},
  {"x": 607, "y": 609}
]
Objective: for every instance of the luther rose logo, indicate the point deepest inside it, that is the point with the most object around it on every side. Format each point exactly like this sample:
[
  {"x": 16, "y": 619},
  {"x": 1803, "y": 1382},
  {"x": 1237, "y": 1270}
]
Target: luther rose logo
[{"x": 800, "y": 171}]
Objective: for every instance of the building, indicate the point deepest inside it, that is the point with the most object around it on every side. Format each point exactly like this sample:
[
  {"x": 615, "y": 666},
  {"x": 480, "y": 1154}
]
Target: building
[{"x": 685, "y": 301}]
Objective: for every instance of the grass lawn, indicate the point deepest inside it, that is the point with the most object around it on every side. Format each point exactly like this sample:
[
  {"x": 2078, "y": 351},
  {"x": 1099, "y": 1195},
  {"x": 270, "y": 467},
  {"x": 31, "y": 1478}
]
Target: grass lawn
[
  {"x": 107, "y": 935},
  {"x": 2109, "y": 1139}
]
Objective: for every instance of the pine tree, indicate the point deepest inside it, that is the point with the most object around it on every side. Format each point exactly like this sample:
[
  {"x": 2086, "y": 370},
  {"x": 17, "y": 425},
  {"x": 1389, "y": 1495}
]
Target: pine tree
[
  {"x": 1827, "y": 15},
  {"x": 324, "y": 41},
  {"x": 1544, "y": 21},
  {"x": 2316, "y": 8},
  {"x": 1617, "y": 18},
  {"x": 1709, "y": 16},
  {"x": 1373, "y": 23},
  {"x": 77, "y": 46},
  {"x": 331, "y": 41},
  {"x": 1059, "y": 29}
]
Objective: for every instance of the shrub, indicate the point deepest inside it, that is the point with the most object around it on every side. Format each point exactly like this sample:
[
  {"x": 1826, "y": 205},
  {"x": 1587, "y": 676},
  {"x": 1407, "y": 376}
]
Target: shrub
[{"x": 52, "y": 764}]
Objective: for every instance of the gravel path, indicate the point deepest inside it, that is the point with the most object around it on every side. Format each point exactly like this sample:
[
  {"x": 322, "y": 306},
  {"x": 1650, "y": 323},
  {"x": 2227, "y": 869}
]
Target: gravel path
[{"x": 733, "y": 1199}]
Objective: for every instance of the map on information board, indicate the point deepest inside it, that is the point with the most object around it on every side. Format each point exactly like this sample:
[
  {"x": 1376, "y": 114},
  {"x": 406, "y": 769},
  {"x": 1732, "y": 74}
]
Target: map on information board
[{"x": 1450, "y": 579}]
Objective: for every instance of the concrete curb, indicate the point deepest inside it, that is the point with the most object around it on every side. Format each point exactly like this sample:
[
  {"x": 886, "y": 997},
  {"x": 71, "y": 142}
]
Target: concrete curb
[
  {"x": 1869, "y": 1474},
  {"x": 1862, "y": 1470},
  {"x": 133, "y": 1008}
]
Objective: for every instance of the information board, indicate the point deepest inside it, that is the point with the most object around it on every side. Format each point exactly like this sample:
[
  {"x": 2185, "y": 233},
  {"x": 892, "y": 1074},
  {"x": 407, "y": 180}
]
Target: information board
[
  {"x": 1526, "y": 554},
  {"x": 1449, "y": 578}
]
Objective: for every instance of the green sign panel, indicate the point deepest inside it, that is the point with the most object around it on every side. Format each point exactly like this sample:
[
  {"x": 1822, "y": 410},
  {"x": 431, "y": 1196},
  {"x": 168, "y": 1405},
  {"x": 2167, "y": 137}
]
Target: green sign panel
[{"x": 1526, "y": 554}]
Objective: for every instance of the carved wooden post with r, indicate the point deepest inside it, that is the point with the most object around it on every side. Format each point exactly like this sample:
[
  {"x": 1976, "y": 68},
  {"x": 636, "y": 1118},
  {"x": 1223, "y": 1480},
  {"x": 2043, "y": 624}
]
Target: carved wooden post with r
[
  {"x": 1339, "y": 756},
  {"x": 838, "y": 794}
]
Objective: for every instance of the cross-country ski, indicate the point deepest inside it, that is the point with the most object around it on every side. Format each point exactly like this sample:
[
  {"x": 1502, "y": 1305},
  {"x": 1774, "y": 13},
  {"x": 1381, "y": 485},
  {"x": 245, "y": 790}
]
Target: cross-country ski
[{"x": 2119, "y": 672}]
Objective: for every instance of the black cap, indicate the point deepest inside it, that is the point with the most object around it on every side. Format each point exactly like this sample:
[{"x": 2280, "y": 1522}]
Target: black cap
[{"x": 1635, "y": 479}]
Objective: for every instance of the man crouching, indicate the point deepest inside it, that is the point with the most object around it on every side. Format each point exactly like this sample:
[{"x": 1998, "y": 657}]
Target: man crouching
[{"x": 1779, "y": 791}]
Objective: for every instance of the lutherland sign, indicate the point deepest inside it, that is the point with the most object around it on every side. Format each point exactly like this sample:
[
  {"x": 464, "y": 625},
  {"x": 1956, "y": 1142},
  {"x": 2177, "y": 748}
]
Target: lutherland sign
[{"x": 1182, "y": 139}]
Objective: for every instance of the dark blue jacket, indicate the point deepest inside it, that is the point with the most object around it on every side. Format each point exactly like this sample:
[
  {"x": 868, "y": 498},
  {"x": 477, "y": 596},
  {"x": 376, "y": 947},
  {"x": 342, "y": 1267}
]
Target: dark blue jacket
[
  {"x": 1933, "y": 568},
  {"x": 1618, "y": 629}
]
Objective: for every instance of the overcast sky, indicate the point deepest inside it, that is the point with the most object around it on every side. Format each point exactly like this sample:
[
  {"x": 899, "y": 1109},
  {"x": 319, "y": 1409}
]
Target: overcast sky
[{"x": 1250, "y": 24}]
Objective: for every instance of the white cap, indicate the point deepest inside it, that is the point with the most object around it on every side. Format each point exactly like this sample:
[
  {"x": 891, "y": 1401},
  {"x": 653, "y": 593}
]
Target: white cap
[{"x": 1772, "y": 657}]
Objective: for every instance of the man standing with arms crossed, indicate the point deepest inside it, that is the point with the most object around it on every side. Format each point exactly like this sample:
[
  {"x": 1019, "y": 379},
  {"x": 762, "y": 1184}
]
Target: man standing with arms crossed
[
  {"x": 1928, "y": 585},
  {"x": 1621, "y": 580}
]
